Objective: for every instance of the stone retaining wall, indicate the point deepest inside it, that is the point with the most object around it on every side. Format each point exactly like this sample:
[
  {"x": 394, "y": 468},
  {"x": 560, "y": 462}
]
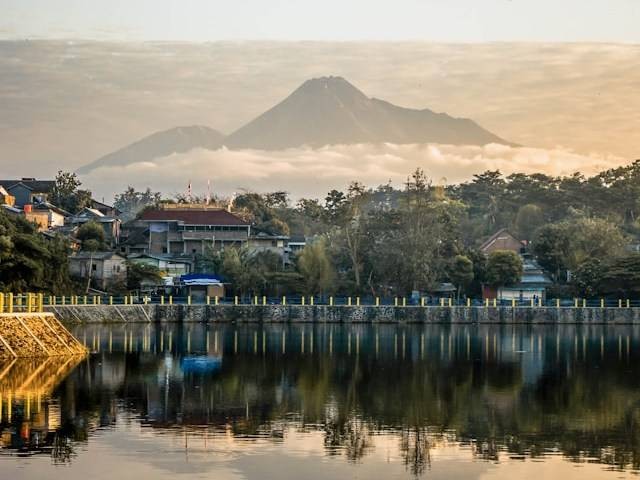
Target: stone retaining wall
[{"x": 341, "y": 314}]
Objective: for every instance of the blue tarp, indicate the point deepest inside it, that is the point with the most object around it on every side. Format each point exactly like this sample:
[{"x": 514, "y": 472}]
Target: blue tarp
[{"x": 200, "y": 279}]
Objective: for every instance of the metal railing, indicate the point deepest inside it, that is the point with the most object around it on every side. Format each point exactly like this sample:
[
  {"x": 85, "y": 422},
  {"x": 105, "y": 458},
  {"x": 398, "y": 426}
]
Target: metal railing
[{"x": 37, "y": 302}]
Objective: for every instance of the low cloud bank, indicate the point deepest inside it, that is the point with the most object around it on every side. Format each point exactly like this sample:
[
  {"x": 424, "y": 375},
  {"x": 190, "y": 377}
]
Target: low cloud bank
[{"x": 306, "y": 172}]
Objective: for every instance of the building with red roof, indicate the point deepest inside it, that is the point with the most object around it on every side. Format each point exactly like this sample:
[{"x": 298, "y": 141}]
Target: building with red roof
[{"x": 189, "y": 229}]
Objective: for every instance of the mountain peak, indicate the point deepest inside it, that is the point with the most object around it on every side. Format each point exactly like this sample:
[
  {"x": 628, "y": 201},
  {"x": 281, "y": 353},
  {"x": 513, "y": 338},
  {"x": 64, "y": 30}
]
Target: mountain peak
[
  {"x": 322, "y": 111},
  {"x": 322, "y": 87},
  {"x": 330, "y": 110}
]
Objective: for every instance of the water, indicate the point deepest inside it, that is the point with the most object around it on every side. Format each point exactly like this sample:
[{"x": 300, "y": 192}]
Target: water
[{"x": 325, "y": 402}]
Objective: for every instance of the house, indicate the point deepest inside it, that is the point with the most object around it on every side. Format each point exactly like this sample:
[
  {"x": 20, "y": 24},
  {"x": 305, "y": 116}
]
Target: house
[
  {"x": 6, "y": 198},
  {"x": 28, "y": 190},
  {"x": 296, "y": 244},
  {"x": 166, "y": 264},
  {"x": 503, "y": 240},
  {"x": 105, "y": 209},
  {"x": 190, "y": 229},
  {"x": 201, "y": 285},
  {"x": 45, "y": 215},
  {"x": 134, "y": 238},
  {"x": 266, "y": 242},
  {"x": 103, "y": 268},
  {"x": 532, "y": 285},
  {"x": 534, "y": 282},
  {"x": 110, "y": 225},
  {"x": 50, "y": 235}
]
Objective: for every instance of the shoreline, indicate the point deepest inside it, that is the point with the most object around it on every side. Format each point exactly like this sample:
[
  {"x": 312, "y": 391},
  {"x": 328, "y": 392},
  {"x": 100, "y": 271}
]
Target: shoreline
[{"x": 153, "y": 313}]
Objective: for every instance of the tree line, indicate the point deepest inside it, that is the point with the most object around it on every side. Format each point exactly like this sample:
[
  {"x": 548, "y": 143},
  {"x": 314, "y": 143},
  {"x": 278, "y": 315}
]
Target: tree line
[
  {"x": 393, "y": 241},
  {"x": 390, "y": 241}
]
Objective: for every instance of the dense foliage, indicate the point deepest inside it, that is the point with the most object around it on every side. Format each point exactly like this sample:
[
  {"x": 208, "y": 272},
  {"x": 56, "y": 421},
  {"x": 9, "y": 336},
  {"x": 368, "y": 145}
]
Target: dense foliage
[
  {"x": 29, "y": 261},
  {"x": 387, "y": 241}
]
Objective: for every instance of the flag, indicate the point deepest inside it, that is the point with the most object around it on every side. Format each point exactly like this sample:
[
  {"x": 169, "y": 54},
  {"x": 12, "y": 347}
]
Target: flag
[{"x": 208, "y": 191}]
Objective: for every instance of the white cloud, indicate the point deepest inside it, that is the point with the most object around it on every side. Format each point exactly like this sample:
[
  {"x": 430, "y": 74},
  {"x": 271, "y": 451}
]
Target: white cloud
[{"x": 305, "y": 172}]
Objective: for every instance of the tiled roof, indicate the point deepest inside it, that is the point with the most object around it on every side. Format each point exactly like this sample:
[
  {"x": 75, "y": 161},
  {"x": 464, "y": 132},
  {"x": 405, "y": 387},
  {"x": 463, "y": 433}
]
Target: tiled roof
[
  {"x": 84, "y": 255},
  {"x": 193, "y": 217},
  {"x": 38, "y": 186}
]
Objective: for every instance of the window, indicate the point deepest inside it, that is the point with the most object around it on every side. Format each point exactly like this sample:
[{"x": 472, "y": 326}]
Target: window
[
  {"x": 193, "y": 250},
  {"x": 164, "y": 249},
  {"x": 94, "y": 267}
]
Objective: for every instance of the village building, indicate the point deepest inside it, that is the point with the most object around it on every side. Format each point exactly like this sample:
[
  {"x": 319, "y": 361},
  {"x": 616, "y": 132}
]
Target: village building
[
  {"x": 45, "y": 215},
  {"x": 296, "y": 244},
  {"x": 110, "y": 225},
  {"x": 201, "y": 285},
  {"x": 28, "y": 190},
  {"x": 190, "y": 230},
  {"x": 532, "y": 285},
  {"x": 266, "y": 242},
  {"x": 6, "y": 198},
  {"x": 105, "y": 209},
  {"x": 134, "y": 238},
  {"x": 168, "y": 266},
  {"x": 103, "y": 269},
  {"x": 503, "y": 240},
  {"x": 534, "y": 281}
]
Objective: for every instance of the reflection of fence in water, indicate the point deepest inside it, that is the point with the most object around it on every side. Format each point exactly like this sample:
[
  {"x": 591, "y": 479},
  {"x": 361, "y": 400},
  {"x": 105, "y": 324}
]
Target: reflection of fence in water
[{"x": 27, "y": 381}]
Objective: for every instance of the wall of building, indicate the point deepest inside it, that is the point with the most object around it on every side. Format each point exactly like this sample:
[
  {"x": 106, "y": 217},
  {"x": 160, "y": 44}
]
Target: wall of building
[{"x": 344, "y": 314}]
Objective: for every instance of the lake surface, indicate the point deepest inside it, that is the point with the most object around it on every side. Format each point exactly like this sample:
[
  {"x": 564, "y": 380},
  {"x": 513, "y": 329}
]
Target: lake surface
[{"x": 328, "y": 402}]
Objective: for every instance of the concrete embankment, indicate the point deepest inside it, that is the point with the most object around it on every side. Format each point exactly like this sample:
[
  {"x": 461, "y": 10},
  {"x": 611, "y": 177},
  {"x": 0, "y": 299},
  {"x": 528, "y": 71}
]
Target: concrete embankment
[{"x": 342, "y": 314}]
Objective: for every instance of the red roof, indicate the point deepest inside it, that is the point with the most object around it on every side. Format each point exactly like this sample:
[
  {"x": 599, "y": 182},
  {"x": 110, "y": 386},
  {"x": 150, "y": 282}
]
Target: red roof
[{"x": 193, "y": 217}]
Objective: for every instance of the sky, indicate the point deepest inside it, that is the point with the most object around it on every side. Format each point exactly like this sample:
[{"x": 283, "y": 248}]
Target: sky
[
  {"x": 430, "y": 20},
  {"x": 559, "y": 77}
]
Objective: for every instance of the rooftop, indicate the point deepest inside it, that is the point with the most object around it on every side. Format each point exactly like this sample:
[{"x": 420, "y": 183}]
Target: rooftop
[
  {"x": 193, "y": 217},
  {"x": 84, "y": 255},
  {"x": 38, "y": 186}
]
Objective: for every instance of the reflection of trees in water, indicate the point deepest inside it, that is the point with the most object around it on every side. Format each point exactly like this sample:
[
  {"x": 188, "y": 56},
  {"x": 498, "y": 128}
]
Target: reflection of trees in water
[
  {"x": 570, "y": 405},
  {"x": 415, "y": 446},
  {"x": 349, "y": 435},
  {"x": 62, "y": 450}
]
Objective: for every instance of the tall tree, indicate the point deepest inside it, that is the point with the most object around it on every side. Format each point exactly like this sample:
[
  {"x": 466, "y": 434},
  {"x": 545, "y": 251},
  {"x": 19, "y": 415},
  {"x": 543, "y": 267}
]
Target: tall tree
[
  {"x": 130, "y": 202},
  {"x": 461, "y": 273},
  {"x": 66, "y": 193},
  {"x": 528, "y": 219},
  {"x": 504, "y": 268},
  {"x": 315, "y": 266}
]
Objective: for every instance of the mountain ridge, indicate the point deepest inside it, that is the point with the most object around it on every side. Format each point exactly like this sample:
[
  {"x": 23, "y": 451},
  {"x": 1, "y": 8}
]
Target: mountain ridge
[{"x": 321, "y": 111}]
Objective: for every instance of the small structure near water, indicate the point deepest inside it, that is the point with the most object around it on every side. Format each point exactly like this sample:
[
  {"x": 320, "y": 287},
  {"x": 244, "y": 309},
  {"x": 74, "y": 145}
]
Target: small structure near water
[{"x": 34, "y": 333}]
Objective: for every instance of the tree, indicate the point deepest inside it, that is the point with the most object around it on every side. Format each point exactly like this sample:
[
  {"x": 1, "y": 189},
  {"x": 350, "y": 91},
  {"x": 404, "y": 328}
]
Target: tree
[
  {"x": 28, "y": 262},
  {"x": 461, "y": 272},
  {"x": 66, "y": 193},
  {"x": 316, "y": 268},
  {"x": 622, "y": 276},
  {"x": 249, "y": 272},
  {"x": 131, "y": 202},
  {"x": 528, "y": 220},
  {"x": 587, "y": 278},
  {"x": 566, "y": 245},
  {"x": 92, "y": 236},
  {"x": 551, "y": 246},
  {"x": 138, "y": 272},
  {"x": 504, "y": 268}
]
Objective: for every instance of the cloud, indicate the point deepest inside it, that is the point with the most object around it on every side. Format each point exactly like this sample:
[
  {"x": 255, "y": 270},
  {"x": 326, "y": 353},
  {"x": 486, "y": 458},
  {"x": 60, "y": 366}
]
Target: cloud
[{"x": 306, "y": 172}]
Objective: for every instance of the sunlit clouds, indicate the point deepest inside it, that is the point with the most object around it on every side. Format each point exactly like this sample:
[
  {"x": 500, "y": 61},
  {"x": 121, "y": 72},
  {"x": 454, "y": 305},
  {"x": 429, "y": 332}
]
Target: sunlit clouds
[{"x": 306, "y": 172}]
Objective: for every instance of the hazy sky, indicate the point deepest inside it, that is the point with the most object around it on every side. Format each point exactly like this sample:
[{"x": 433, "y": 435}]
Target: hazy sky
[
  {"x": 557, "y": 76},
  {"x": 435, "y": 20}
]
